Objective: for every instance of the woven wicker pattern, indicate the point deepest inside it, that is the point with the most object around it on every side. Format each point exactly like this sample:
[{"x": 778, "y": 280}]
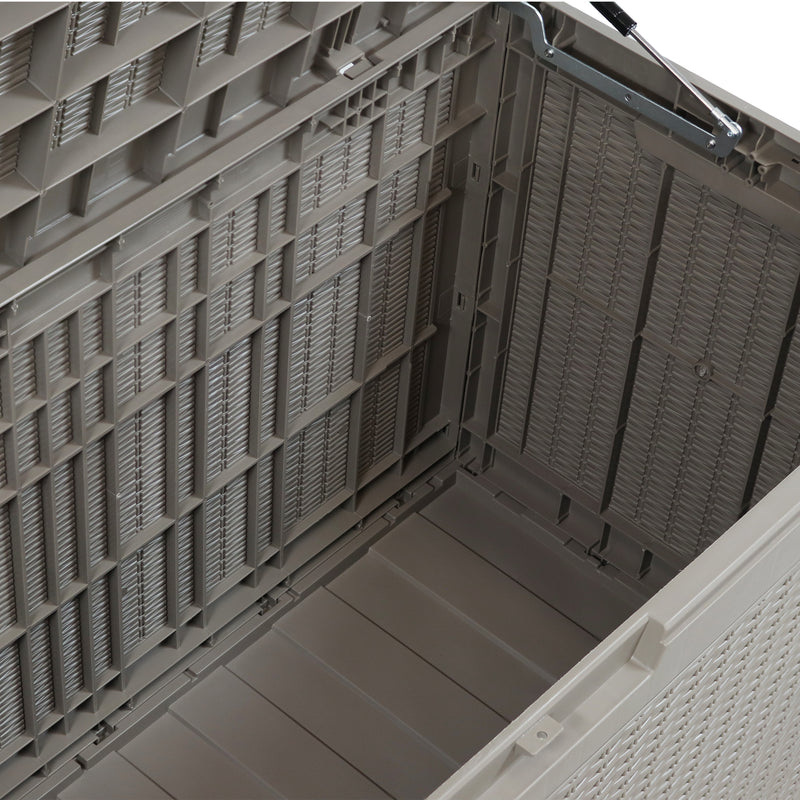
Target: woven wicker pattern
[{"x": 740, "y": 699}]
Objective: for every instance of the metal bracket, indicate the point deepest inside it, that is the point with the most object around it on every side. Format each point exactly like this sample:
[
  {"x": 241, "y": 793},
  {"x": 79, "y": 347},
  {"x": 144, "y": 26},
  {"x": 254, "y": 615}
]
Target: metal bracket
[{"x": 720, "y": 144}]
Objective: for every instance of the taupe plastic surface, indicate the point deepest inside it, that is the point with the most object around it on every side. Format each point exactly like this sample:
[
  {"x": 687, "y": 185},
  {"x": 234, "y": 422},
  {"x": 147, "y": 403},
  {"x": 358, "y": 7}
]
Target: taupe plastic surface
[
  {"x": 271, "y": 274},
  {"x": 383, "y": 681},
  {"x": 229, "y": 327}
]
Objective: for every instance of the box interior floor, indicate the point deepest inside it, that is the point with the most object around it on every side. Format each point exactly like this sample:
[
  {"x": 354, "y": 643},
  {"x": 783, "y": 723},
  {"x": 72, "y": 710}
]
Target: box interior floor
[{"x": 384, "y": 680}]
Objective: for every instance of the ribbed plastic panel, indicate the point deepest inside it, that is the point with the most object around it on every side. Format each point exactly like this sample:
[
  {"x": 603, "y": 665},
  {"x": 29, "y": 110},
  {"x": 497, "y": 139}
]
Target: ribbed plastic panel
[
  {"x": 323, "y": 342},
  {"x": 208, "y": 341},
  {"x": 9, "y": 152},
  {"x": 186, "y": 558},
  {"x": 12, "y": 716},
  {"x": 131, "y": 13},
  {"x": 94, "y": 459},
  {"x": 142, "y": 476},
  {"x": 8, "y": 605},
  {"x": 315, "y": 465},
  {"x": 572, "y": 420},
  {"x": 99, "y": 607},
  {"x": 66, "y": 522},
  {"x": 646, "y": 330},
  {"x": 73, "y": 117},
  {"x": 215, "y": 35},
  {"x": 23, "y": 365},
  {"x": 143, "y": 586},
  {"x": 226, "y": 531},
  {"x": 257, "y": 16},
  {"x": 234, "y": 236},
  {"x": 391, "y": 273},
  {"x": 132, "y": 82},
  {"x": 545, "y": 185},
  {"x": 86, "y": 26},
  {"x": 334, "y": 170},
  {"x": 15, "y": 60},
  {"x": 379, "y": 419},
  {"x": 42, "y": 670},
  {"x": 228, "y": 406},
  {"x": 324, "y": 242},
  {"x": 31, "y": 505},
  {"x": 397, "y": 194},
  {"x": 403, "y": 126},
  {"x": 419, "y": 365},
  {"x": 71, "y": 644}
]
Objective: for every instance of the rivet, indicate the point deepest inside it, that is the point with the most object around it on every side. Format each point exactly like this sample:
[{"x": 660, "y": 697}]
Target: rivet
[{"x": 702, "y": 370}]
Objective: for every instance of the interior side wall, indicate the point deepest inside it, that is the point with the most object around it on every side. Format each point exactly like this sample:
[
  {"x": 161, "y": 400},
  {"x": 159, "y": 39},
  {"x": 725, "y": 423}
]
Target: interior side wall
[
  {"x": 634, "y": 349},
  {"x": 235, "y": 317}
]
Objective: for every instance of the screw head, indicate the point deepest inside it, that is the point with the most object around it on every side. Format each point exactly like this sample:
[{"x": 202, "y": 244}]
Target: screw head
[
  {"x": 627, "y": 98},
  {"x": 711, "y": 144},
  {"x": 702, "y": 369},
  {"x": 549, "y": 52}
]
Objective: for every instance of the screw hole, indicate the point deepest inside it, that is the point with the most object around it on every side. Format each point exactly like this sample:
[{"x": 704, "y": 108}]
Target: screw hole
[{"x": 541, "y": 734}]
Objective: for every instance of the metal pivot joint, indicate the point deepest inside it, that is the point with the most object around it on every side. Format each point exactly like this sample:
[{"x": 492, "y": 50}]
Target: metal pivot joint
[{"x": 720, "y": 141}]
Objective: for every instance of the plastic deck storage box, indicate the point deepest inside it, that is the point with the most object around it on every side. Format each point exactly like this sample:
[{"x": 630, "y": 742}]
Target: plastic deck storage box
[{"x": 364, "y": 374}]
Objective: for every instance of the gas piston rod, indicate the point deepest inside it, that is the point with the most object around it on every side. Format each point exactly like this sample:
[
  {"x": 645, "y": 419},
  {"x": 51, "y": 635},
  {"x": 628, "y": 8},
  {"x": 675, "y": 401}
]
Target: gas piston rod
[
  {"x": 627, "y": 27},
  {"x": 720, "y": 141}
]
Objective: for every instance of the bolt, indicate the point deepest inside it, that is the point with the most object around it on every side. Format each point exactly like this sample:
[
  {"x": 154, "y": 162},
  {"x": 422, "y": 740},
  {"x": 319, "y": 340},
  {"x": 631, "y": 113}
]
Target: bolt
[
  {"x": 711, "y": 144},
  {"x": 549, "y": 52}
]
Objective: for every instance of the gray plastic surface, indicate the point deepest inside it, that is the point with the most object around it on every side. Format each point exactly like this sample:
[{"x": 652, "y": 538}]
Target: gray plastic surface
[
  {"x": 355, "y": 691},
  {"x": 228, "y": 328},
  {"x": 270, "y": 273}
]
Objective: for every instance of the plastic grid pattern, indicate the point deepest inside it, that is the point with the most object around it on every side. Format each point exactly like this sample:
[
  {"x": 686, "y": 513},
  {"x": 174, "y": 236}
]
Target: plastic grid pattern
[
  {"x": 643, "y": 332},
  {"x": 209, "y": 385}
]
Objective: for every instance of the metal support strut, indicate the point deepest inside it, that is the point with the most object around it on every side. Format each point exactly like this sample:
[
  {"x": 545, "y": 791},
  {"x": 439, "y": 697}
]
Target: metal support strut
[{"x": 720, "y": 141}]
